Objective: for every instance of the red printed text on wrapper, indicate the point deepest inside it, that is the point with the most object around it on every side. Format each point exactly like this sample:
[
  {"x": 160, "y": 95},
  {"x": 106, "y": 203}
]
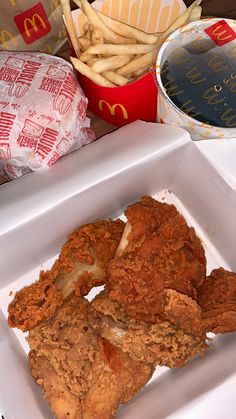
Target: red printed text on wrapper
[
  {"x": 48, "y": 108},
  {"x": 20, "y": 74},
  {"x": 62, "y": 102},
  {"x": 40, "y": 139},
  {"x": 64, "y": 89},
  {"x": 6, "y": 124}
]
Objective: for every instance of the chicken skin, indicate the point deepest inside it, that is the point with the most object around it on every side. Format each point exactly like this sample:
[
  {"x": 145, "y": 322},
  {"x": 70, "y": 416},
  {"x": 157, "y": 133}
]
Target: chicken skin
[
  {"x": 217, "y": 298},
  {"x": 82, "y": 374},
  {"x": 82, "y": 263},
  {"x": 161, "y": 253},
  {"x": 162, "y": 343}
]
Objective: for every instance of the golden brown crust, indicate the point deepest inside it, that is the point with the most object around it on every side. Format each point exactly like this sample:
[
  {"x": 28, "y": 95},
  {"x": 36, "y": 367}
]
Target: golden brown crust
[
  {"x": 147, "y": 215},
  {"x": 82, "y": 263},
  {"x": 162, "y": 253},
  {"x": 156, "y": 309},
  {"x": 35, "y": 303},
  {"x": 161, "y": 343},
  {"x": 217, "y": 298},
  {"x": 79, "y": 372},
  {"x": 184, "y": 312}
]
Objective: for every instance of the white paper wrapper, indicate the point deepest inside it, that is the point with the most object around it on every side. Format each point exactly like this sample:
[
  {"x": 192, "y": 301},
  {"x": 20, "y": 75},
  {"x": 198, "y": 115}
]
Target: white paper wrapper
[
  {"x": 222, "y": 40},
  {"x": 42, "y": 112}
]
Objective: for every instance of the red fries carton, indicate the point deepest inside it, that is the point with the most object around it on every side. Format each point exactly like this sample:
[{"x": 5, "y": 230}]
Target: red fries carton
[{"x": 138, "y": 99}]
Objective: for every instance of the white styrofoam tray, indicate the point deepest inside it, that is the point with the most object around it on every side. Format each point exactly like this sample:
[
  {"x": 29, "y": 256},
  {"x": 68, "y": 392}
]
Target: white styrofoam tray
[{"x": 40, "y": 209}]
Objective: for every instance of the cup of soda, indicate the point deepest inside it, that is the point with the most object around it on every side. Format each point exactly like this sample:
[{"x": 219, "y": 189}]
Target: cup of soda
[{"x": 196, "y": 74}]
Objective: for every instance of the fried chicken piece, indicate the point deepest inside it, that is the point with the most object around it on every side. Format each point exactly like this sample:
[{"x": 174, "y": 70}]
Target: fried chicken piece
[
  {"x": 183, "y": 312},
  {"x": 161, "y": 252},
  {"x": 144, "y": 217},
  {"x": 217, "y": 298},
  {"x": 162, "y": 343},
  {"x": 82, "y": 263},
  {"x": 81, "y": 374}
]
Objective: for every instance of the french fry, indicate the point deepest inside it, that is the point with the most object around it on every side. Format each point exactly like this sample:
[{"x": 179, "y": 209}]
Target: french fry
[
  {"x": 97, "y": 37},
  {"x": 110, "y": 49},
  {"x": 110, "y": 63},
  {"x": 84, "y": 43},
  {"x": 86, "y": 71},
  {"x": 88, "y": 35},
  {"x": 140, "y": 72},
  {"x": 91, "y": 61},
  {"x": 115, "y": 78},
  {"x": 86, "y": 26},
  {"x": 192, "y": 13},
  {"x": 126, "y": 30},
  {"x": 85, "y": 56},
  {"x": 65, "y": 4},
  {"x": 94, "y": 19},
  {"x": 145, "y": 60},
  {"x": 116, "y": 53}
]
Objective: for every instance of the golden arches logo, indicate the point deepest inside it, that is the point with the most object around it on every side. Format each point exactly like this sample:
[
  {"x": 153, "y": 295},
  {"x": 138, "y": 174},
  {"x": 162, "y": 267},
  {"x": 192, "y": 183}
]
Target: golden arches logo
[
  {"x": 32, "y": 22},
  {"x": 194, "y": 76},
  {"x": 55, "y": 9},
  {"x": 229, "y": 117},
  {"x": 112, "y": 108},
  {"x": 221, "y": 36},
  {"x": 47, "y": 48},
  {"x": 5, "y": 37}
]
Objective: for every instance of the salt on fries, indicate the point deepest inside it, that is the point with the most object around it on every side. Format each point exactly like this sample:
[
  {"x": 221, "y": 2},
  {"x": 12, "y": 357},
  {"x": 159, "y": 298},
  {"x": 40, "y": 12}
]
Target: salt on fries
[{"x": 112, "y": 53}]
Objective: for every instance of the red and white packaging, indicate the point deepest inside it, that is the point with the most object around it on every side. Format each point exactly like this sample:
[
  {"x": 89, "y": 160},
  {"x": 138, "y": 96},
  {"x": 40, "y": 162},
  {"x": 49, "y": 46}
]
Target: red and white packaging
[{"x": 42, "y": 112}]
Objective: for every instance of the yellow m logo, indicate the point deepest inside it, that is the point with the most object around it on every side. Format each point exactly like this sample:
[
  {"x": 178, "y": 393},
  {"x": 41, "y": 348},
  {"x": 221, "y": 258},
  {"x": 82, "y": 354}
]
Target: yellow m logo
[
  {"x": 34, "y": 22},
  {"x": 229, "y": 117},
  {"x": 47, "y": 48},
  {"x": 195, "y": 76},
  {"x": 220, "y": 36},
  {"x": 112, "y": 108},
  {"x": 55, "y": 9},
  {"x": 5, "y": 37}
]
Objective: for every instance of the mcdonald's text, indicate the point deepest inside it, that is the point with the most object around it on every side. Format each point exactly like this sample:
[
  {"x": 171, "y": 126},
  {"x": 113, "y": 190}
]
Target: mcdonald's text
[
  {"x": 6, "y": 122},
  {"x": 46, "y": 142},
  {"x": 28, "y": 72}
]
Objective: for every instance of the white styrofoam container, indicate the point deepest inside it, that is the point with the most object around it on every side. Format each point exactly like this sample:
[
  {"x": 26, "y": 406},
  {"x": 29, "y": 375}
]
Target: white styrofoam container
[
  {"x": 222, "y": 154},
  {"x": 38, "y": 210}
]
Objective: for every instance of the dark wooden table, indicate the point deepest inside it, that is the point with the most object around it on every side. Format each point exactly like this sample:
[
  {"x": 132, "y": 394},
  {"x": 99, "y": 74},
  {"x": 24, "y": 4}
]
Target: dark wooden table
[{"x": 224, "y": 8}]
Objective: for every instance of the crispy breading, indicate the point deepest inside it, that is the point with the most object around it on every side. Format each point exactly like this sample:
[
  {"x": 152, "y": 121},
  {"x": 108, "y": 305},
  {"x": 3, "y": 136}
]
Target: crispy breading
[
  {"x": 162, "y": 252},
  {"x": 162, "y": 343},
  {"x": 183, "y": 312},
  {"x": 81, "y": 374},
  {"x": 217, "y": 298},
  {"x": 82, "y": 263},
  {"x": 147, "y": 215},
  {"x": 156, "y": 309}
]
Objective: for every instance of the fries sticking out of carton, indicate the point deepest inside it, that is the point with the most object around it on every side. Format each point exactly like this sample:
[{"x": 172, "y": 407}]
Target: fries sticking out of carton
[
  {"x": 115, "y": 45},
  {"x": 113, "y": 53}
]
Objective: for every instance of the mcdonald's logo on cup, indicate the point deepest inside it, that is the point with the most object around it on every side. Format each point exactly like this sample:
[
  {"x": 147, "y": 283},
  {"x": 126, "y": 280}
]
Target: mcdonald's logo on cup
[
  {"x": 112, "y": 108},
  {"x": 33, "y": 23},
  {"x": 221, "y": 33}
]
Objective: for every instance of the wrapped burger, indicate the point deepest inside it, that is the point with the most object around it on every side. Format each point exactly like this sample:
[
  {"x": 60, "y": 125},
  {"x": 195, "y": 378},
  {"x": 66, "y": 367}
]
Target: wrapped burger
[{"x": 42, "y": 112}]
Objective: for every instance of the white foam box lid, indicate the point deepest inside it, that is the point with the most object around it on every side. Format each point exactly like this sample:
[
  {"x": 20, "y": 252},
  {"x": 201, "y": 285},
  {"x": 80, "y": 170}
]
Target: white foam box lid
[{"x": 37, "y": 212}]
